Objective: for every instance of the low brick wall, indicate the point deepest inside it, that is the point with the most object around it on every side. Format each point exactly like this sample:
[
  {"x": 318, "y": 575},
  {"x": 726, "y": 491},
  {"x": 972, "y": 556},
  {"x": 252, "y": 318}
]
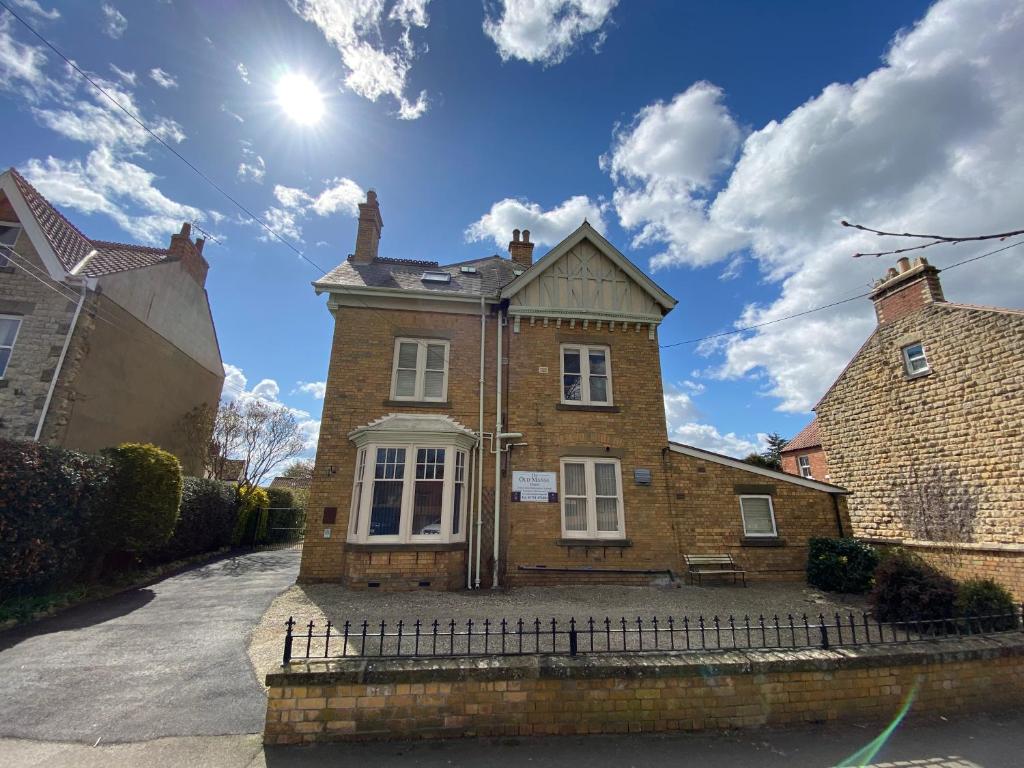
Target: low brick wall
[
  {"x": 405, "y": 569},
  {"x": 357, "y": 699}
]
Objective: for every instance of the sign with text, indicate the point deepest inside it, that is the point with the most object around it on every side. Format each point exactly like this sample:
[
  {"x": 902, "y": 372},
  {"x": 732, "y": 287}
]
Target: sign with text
[{"x": 535, "y": 486}]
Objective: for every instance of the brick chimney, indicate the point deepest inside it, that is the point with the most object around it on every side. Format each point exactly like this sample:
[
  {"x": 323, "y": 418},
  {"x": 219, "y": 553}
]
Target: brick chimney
[
  {"x": 521, "y": 251},
  {"x": 905, "y": 289},
  {"x": 190, "y": 254},
  {"x": 368, "y": 234}
]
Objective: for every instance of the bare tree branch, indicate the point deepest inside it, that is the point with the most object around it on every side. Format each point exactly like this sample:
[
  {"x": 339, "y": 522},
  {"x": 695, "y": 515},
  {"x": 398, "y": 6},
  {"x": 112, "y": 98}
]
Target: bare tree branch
[
  {"x": 936, "y": 239},
  {"x": 935, "y": 505}
]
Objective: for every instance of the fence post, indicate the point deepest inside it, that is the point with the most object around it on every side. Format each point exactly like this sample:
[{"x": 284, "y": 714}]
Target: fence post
[
  {"x": 288, "y": 642},
  {"x": 573, "y": 642},
  {"x": 824, "y": 633}
]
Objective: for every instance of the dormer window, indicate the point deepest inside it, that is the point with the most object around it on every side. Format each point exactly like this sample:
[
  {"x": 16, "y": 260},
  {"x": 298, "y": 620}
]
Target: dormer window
[
  {"x": 914, "y": 360},
  {"x": 431, "y": 276},
  {"x": 586, "y": 375},
  {"x": 420, "y": 370}
]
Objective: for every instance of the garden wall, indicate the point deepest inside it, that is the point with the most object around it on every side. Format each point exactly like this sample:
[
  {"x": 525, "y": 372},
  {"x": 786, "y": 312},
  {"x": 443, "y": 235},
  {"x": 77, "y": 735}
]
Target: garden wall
[{"x": 357, "y": 699}]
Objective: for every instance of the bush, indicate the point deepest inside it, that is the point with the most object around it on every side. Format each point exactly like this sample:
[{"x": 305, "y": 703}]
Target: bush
[
  {"x": 50, "y": 502},
  {"x": 988, "y": 603},
  {"x": 841, "y": 565},
  {"x": 252, "y": 516},
  {"x": 206, "y": 520},
  {"x": 908, "y": 589},
  {"x": 145, "y": 494},
  {"x": 286, "y": 516}
]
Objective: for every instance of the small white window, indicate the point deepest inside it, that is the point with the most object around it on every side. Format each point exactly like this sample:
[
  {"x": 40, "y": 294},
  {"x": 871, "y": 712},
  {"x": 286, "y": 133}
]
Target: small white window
[
  {"x": 9, "y": 326},
  {"x": 436, "y": 277},
  {"x": 8, "y": 237},
  {"x": 420, "y": 370},
  {"x": 805, "y": 466},
  {"x": 586, "y": 375},
  {"x": 915, "y": 360},
  {"x": 758, "y": 516},
  {"x": 592, "y": 499}
]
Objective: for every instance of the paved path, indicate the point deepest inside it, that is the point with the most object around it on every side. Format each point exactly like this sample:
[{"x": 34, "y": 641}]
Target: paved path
[{"x": 166, "y": 660}]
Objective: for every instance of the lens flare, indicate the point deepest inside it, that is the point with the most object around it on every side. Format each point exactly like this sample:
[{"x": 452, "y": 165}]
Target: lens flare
[{"x": 299, "y": 98}]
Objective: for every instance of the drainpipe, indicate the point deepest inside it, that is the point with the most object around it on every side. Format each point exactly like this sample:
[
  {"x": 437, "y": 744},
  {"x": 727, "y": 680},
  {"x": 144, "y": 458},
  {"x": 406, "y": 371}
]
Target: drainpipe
[
  {"x": 480, "y": 449},
  {"x": 67, "y": 340},
  {"x": 497, "y": 458}
]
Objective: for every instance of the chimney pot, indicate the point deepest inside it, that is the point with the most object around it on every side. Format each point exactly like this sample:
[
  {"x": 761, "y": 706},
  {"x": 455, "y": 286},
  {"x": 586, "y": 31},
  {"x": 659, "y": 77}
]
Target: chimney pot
[
  {"x": 906, "y": 290},
  {"x": 515, "y": 235},
  {"x": 189, "y": 254},
  {"x": 521, "y": 250},
  {"x": 526, "y": 235},
  {"x": 903, "y": 264}
]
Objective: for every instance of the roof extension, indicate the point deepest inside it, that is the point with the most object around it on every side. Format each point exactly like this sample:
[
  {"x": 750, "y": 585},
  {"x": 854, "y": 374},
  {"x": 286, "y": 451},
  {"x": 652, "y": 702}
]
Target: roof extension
[{"x": 729, "y": 461}]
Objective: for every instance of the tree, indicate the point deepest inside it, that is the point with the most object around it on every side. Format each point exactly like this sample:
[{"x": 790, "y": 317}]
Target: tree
[
  {"x": 758, "y": 460},
  {"x": 300, "y": 468},
  {"x": 771, "y": 456}
]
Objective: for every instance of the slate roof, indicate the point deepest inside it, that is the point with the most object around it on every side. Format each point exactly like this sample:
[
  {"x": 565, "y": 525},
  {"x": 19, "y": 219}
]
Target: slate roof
[
  {"x": 71, "y": 245},
  {"x": 493, "y": 272},
  {"x": 805, "y": 438}
]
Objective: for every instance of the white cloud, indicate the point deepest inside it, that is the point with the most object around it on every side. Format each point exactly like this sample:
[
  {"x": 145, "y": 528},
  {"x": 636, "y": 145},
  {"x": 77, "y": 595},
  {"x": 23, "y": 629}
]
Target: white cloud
[
  {"x": 545, "y": 31},
  {"x": 252, "y": 167},
  {"x": 315, "y": 388},
  {"x": 33, "y": 7},
  {"x": 284, "y": 222},
  {"x": 128, "y": 77},
  {"x": 268, "y": 391},
  {"x": 546, "y": 227},
  {"x": 243, "y": 72},
  {"x": 929, "y": 141},
  {"x": 163, "y": 78},
  {"x": 229, "y": 113},
  {"x": 710, "y": 439},
  {"x": 338, "y": 194},
  {"x": 20, "y": 64},
  {"x": 373, "y": 67},
  {"x": 291, "y": 197},
  {"x": 114, "y": 22}
]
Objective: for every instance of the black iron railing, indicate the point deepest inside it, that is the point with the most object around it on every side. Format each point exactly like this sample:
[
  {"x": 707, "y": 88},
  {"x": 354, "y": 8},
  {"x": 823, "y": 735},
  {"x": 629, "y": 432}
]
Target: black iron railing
[{"x": 521, "y": 637}]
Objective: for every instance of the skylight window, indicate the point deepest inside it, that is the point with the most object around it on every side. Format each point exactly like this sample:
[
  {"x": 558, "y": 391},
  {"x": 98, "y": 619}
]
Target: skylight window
[
  {"x": 467, "y": 270},
  {"x": 431, "y": 276}
]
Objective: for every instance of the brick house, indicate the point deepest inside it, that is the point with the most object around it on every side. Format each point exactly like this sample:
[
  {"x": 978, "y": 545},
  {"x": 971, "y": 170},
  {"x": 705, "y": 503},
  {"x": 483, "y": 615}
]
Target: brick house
[
  {"x": 804, "y": 456},
  {"x": 933, "y": 403},
  {"x": 100, "y": 343},
  {"x": 501, "y": 421}
]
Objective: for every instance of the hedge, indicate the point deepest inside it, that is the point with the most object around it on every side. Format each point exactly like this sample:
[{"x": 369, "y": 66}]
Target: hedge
[
  {"x": 841, "y": 565},
  {"x": 51, "y": 501},
  {"x": 145, "y": 494},
  {"x": 252, "y": 516},
  {"x": 286, "y": 518},
  {"x": 909, "y": 589},
  {"x": 206, "y": 520}
]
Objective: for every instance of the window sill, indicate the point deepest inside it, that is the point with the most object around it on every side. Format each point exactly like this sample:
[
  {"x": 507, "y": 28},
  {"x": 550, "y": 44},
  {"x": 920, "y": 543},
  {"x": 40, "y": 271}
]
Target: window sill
[
  {"x": 918, "y": 375},
  {"x": 417, "y": 403},
  {"x": 406, "y": 546},
  {"x": 594, "y": 542},
  {"x": 593, "y": 408},
  {"x": 762, "y": 541}
]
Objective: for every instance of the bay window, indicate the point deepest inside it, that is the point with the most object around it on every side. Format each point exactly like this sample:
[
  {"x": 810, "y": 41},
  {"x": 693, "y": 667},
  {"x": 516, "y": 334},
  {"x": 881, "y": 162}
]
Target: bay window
[
  {"x": 586, "y": 375},
  {"x": 592, "y": 499}
]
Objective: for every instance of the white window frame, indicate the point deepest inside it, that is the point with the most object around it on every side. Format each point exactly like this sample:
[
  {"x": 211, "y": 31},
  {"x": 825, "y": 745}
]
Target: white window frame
[
  {"x": 4, "y": 260},
  {"x": 771, "y": 511},
  {"x": 907, "y": 365},
  {"x": 359, "y": 530},
  {"x": 421, "y": 365},
  {"x": 584, "y": 352},
  {"x": 14, "y": 341},
  {"x": 590, "y": 485},
  {"x": 803, "y": 464}
]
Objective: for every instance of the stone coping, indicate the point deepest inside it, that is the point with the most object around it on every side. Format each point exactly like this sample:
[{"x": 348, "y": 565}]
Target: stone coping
[
  {"x": 376, "y": 671},
  {"x": 970, "y": 546}
]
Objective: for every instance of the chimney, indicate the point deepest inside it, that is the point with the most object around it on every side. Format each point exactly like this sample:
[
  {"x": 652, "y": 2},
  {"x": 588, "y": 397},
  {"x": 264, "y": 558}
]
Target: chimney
[
  {"x": 368, "y": 235},
  {"x": 521, "y": 251},
  {"x": 190, "y": 254},
  {"x": 905, "y": 289}
]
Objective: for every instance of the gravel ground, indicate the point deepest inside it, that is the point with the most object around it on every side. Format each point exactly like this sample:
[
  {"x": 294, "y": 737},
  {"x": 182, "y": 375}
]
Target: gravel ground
[{"x": 324, "y": 601}]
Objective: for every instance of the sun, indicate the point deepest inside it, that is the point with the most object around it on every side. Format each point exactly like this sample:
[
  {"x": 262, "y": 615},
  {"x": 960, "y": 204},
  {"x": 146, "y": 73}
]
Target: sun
[{"x": 300, "y": 98}]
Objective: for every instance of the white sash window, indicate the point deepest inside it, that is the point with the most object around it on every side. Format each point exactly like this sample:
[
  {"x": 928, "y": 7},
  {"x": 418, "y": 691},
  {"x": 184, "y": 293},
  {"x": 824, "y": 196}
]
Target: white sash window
[{"x": 592, "y": 499}]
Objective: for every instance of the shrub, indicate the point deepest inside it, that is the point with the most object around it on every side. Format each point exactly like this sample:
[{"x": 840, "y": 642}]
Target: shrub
[
  {"x": 50, "y": 501},
  {"x": 206, "y": 520},
  {"x": 145, "y": 494},
  {"x": 286, "y": 516},
  {"x": 988, "y": 603},
  {"x": 841, "y": 565},
  {"x": 908, "y": 589},
  {"x": 252, "y": 516}
]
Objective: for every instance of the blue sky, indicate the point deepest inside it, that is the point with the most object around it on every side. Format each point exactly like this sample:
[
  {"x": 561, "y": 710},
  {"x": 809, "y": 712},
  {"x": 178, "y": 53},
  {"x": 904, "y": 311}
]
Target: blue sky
[{"x": 717, "y": 144}]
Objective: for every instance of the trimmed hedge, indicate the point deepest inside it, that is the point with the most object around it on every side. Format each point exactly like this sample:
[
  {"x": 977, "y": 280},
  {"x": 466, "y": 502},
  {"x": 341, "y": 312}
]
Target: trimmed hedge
[
  {"x": 145, "y": 494},
  {"x": 909, "y": 589},
  {"x": 206, "y": 520},
  {"x": 841, "y": 565},
  {"x": 252, "y": 516},
  {"x": 51, "y": 502},
  {"x": 286, "y": 517},
  {"x": 989, "y": 604}
]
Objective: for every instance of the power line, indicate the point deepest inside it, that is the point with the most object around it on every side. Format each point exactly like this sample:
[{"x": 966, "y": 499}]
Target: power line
[
  {"x": 826, "y": 306},
  {"x": 156, "y": 136}
]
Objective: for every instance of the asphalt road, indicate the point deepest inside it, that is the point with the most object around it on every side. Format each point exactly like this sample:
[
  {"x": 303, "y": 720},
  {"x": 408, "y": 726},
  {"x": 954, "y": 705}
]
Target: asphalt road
[{"x": 167, "y": 660}]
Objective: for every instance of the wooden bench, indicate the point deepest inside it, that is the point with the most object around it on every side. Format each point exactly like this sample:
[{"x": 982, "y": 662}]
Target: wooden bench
[{"x": 714, "y": 565}]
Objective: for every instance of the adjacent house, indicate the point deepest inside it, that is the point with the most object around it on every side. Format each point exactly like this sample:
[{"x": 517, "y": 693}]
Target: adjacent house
[
  {"x": 100, "y": 342},
  {"x": 924, "y": 427},
  {"x": 500, "y": 421},
  {"x": 804, "y": 456}
]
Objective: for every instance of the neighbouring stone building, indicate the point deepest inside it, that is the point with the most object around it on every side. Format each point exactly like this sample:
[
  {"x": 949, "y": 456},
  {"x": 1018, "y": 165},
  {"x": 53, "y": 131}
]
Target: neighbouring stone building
[
  {"x": 924, "y": 427},
  {"x": 804, "y": 456},
  {"x": 501, "y": 421},
  {"x": 100, "y": 343}
]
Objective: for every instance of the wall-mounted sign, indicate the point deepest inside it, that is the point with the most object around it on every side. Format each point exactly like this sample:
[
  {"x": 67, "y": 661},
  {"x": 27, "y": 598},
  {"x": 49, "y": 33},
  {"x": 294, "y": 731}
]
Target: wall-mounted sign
[{"x": 535, "y": 486}]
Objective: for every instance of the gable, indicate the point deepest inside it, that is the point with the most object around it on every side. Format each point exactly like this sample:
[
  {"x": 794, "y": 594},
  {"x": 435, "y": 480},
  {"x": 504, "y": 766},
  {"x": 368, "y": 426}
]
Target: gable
[{"x": 584, "y": 276}]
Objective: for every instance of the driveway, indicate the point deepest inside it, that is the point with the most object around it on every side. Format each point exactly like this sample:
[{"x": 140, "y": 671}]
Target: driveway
[{"x": 167, "y": 660}]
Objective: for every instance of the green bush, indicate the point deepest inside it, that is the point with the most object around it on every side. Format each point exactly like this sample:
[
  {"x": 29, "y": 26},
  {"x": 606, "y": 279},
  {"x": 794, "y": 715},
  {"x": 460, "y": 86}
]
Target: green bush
[
  {"x": 986, "y": 605},
  {"x": 145, "y": 494},
  {"x": 286, "y": 517},
  {"x": 252, "y": 516},
  {"x": 841, "y": 565},
  {"x": 206, "y": 520},
  {"x": 909, "y": 589},
  {"x": 50, "y": 503}
]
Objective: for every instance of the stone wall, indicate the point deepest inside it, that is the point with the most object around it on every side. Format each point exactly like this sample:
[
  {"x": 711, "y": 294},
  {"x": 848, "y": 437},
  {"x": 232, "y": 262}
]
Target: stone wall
[
  {"x": 964, "y": 419},
  {"x": 536, "y": 695}
]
